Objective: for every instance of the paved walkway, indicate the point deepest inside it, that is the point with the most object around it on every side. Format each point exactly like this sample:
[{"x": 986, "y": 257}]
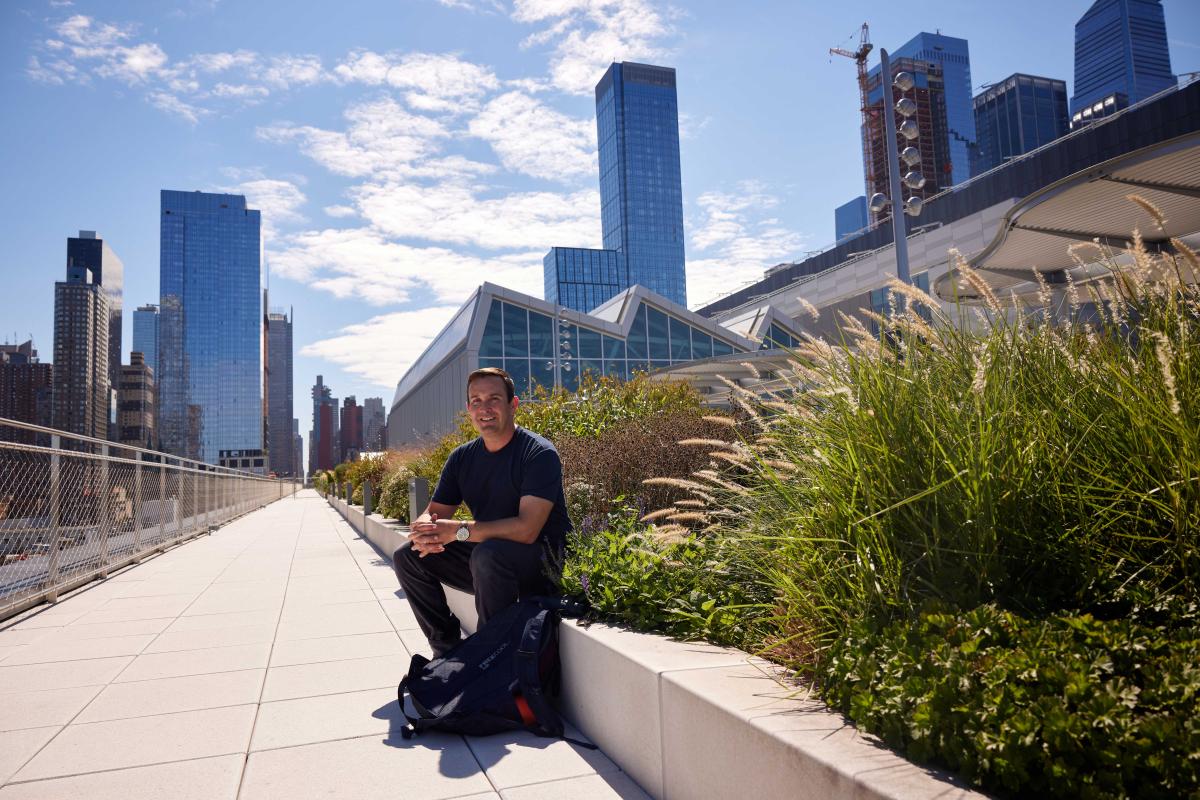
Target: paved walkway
[{"x": 260, "y": 662}]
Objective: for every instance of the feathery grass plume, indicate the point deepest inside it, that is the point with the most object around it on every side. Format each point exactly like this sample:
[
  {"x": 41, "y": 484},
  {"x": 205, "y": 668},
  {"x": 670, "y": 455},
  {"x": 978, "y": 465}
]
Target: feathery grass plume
[
  {"x": 854, "y": 328},
  {"x": 706, "y": 443},
  {"x": 735, "y": 460},
  {"x": 808, "y": 308},
  {"x": 678, "y": 483},
  {"x": 728, "y": 422},
  {"x": 916, "y": 297},
  {"x": 1072, "y": 293},
  {"x": 782, "y": 466},
  {"x": 689, "y": 516},
  {"x": 670, "y": 534},
  {"x": 1150, "y": 209},
  {"x": 743, "y": 398},
  {"x": 979, "y": 383},
  {"x": 662, "y": 512},
  {"x": 982, "y": 288},
  {"x": 690, "y": 504},
  {"x": 716, "y": 480},
  {"x": 1165, "y": 355},
  {"x": 753, "y": 370},
  {"x": 1189, "y": 255},
  {"x": 1044, "y": 295}
]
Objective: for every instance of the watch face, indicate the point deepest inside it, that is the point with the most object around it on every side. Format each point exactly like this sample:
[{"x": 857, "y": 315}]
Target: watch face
[{"x": 463, "y": 533}]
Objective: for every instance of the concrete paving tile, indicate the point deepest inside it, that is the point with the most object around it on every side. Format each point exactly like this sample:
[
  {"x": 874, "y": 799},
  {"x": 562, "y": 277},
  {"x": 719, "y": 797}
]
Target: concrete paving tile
[
  {"x": 400, "y": 613},
  {"x": 32, "y": 677},
  {"x": 199, "y": 779},
  {"x": 238, "y": 619},
  {"x": 287, "y": 723},
  {"x": 103, "y": 615},
  {"x": 330, "y": 677},
  {"x": 222, "y": 604},
  {"x": 149, "y": 666},
  {"x": 17, "y": 747},
  {"x": 15, "y": 636},
  {"x": 77, "y": 631},
  {"x": 10, "y": 649},
  {"x": 336, "y": 648},
  {"x": 315, "y": 629},
  {"x": 331, "y": 566},
  {"x": 159, "y": 587},
  {"x": 171, "y": 695},
  {"x": 54, "y": 617},
  {"x": 610, "y": 786},
  {"x": 95, "y": 746},
  {"x": 367, "y": 610},
  {"x": 436, "y": 766},
  {"x": 209, "y": 638},
  {"x": 518, "y": 758},
  {"x": 45, "y": 707},
  {"x": 68, "y": 649},
  {"x": 327, "y": 583},
  {"x": 415, "y": 642},
  {"x": 298, "y": 602}
]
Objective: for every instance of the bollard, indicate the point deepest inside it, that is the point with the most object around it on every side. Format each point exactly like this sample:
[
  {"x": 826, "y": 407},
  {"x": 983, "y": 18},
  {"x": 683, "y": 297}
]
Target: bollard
[
  {"x": 418, "y": 497},
  {"x": 366, "y": 498}
]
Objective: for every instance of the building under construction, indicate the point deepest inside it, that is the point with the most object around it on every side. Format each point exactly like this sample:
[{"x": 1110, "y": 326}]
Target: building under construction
[{"x": 929, "y": 94}]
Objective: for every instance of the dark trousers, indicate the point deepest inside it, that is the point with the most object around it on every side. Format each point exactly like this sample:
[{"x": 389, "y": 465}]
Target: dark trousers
[{"x": 496, "y": 571}]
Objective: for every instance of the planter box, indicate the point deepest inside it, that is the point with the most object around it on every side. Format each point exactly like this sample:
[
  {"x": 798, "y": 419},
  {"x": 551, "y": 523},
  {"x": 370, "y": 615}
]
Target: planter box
[{"x": 688, "y": 719}]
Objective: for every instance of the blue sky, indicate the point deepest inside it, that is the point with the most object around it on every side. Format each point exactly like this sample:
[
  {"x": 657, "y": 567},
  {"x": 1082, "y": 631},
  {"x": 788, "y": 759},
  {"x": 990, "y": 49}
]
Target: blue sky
[{"x": 403, "y": 151}]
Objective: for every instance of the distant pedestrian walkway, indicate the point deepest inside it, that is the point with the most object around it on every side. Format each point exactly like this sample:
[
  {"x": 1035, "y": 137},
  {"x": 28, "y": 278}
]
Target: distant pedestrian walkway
[{"x": 260, "y": 662}]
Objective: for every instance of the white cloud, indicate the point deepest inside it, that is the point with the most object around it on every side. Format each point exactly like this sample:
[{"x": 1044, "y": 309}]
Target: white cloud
[
  {"x": 382, "y": 136},
  {"x": 535, "y": 139},
  {"x": 457, "y": 214},
  {"x": 340, "y": 212},
  {"x": 279, "y": 201},
  {"x": 736, "y": 241},
  {"x": 384, "y": 347},
  {"x": 431, "y": 82},
  {"x": 55, "y": 71},
  {"x": 283, "y": 72},
  {"x": 173, "y": 105},
  {"x": 240, "y": 90},
  {"x": 220, "y": 62},
  {"x": 362, "y": 263},
  {"x": 591, "y": 34}
]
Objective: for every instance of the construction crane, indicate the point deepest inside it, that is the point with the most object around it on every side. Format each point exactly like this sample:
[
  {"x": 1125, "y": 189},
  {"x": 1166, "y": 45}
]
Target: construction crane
[{"x": 860, "y": 61}]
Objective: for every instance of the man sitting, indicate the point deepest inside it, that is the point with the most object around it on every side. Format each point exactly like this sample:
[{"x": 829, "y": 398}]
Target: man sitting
[{"x": 511, "y": 482}]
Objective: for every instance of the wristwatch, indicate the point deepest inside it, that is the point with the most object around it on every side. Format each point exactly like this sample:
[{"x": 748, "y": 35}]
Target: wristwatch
[{"x": 463, "y": 533}]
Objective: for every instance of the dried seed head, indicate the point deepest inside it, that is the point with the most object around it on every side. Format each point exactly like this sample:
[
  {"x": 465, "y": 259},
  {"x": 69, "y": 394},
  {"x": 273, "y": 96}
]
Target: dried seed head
[{"x": 1150, "y": 209}]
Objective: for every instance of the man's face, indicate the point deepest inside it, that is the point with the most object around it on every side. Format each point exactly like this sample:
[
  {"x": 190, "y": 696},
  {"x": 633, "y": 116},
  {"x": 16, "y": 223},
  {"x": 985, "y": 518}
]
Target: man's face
[{"x": 488, "y": 405}]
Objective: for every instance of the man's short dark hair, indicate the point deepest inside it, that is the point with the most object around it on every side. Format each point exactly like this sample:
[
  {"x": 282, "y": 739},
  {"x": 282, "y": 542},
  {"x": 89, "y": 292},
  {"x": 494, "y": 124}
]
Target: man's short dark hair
[{"x": 493, "y": 372}]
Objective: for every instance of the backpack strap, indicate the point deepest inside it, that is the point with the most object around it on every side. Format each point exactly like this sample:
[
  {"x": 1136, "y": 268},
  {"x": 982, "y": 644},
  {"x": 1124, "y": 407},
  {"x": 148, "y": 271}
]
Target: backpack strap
[
  {"x": 425, "y": 719},
  {"x": 569, "y": 607},
  {"x": 529, "y": 679}
]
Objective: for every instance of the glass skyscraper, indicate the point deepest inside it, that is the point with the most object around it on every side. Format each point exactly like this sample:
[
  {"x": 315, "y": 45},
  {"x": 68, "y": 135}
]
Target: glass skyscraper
[
  {"x": 953, "y": 57},
  {"x": 1016, "y": 115},
  {"x": 641, "y": 192},
  {"x": 145, "y": 334},
  {"x": 210, "y": 325},
  {"x": 91, "y": 253},
  {"x": 281, "y": 460},
  {"x": 641, "y": 196},
  {"x": 1121, "y": 57},
  {"x": 850, "y": 218}
]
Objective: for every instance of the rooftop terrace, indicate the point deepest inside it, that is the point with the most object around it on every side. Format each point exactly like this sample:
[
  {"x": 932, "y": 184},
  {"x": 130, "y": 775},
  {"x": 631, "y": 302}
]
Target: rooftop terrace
[{"x": 260, "y": 661}]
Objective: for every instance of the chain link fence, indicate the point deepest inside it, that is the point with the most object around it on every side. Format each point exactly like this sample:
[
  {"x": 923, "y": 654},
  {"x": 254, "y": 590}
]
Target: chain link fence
[{"x": 73, "y": 508}]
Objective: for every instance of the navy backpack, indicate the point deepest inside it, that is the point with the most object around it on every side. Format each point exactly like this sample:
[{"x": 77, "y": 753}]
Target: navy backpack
[{"x": 501, "y": 678}]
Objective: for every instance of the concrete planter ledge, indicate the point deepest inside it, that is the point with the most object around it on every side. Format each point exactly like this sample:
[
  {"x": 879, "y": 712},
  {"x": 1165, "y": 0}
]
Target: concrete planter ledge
[{"x": 692, "y": 720}]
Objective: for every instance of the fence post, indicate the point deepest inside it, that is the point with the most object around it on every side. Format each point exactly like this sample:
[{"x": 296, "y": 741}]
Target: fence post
[
  {"x": 196, "y": 499},
  {"x": 366, "y": 498},
  {"x": 106, "y": 527},
  {"x": 137, "y": 502},
  {"x": 55, "y": 521},
  {"x": 162, "y": 501}
]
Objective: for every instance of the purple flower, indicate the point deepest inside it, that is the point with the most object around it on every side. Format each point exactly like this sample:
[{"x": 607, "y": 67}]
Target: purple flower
[{"x": 583, "y": 579}]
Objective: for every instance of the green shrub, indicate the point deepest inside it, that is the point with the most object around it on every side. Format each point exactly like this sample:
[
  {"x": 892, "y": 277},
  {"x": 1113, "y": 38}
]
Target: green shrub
[
  {"x": 1066, "y": 706},
  {"x": 680, "y": 587}
]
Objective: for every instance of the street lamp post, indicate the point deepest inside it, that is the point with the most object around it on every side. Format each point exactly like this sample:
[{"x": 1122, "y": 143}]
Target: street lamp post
[{"x": 911, "y": 157}]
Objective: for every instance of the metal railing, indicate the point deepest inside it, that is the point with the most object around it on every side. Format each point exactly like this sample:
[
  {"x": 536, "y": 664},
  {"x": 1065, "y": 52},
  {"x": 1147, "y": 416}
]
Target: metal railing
[{"x": 74, "y": 508}]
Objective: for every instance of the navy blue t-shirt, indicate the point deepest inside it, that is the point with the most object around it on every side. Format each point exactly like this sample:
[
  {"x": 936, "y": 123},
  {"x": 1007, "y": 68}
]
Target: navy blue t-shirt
[{"x": 492, "y": 484}]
